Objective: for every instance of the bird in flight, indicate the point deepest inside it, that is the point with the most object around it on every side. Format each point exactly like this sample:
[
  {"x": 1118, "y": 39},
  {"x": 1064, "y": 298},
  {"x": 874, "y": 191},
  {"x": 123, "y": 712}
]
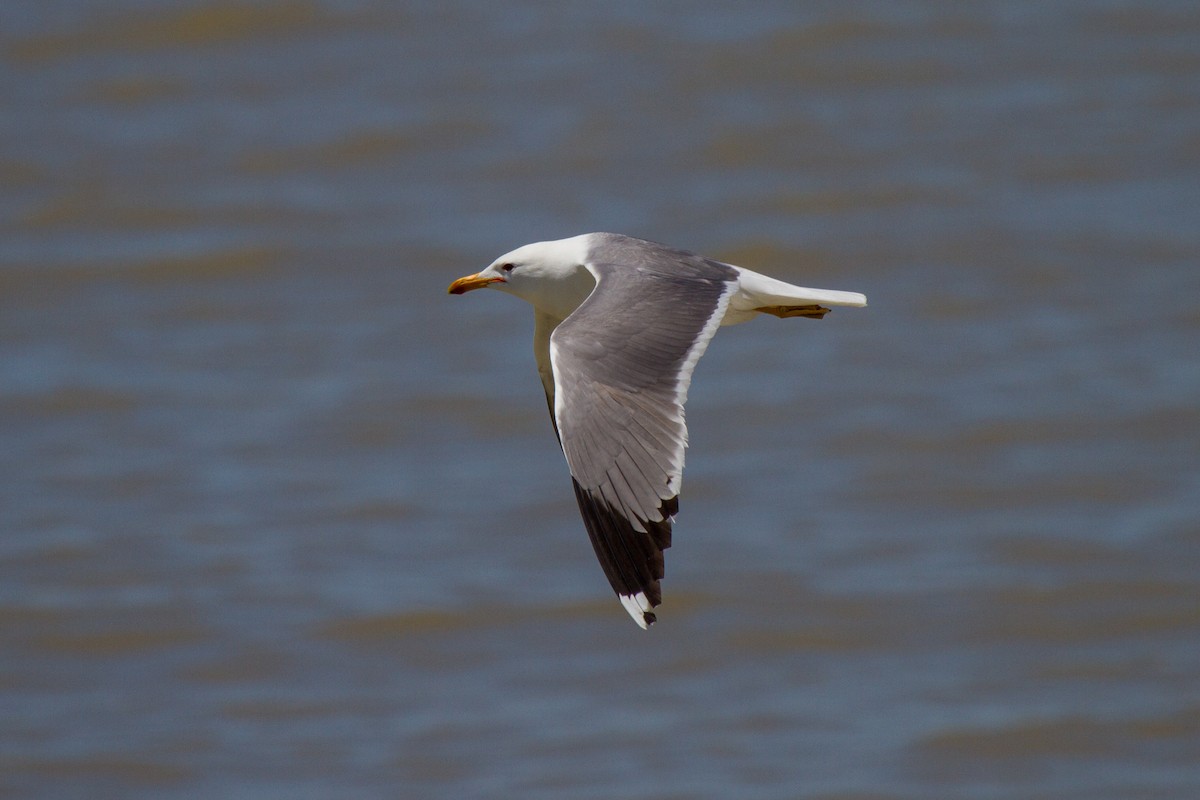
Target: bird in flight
[{"x": 619, "y": 324}]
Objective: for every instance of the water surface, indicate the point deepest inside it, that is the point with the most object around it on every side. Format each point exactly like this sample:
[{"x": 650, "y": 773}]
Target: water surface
[{"x": 280, "y": 518}]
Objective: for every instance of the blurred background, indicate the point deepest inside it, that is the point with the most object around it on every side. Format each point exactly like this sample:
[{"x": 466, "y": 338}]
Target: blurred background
[{"x": 280, "y": 518}]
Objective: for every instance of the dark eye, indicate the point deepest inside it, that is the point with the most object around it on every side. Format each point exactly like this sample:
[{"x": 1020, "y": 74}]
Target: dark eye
[{"x": 506, "y": 267}]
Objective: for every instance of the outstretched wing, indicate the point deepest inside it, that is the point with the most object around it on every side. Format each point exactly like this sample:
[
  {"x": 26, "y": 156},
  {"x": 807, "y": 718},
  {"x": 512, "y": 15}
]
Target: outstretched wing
[{"x": 622, "y": 363}]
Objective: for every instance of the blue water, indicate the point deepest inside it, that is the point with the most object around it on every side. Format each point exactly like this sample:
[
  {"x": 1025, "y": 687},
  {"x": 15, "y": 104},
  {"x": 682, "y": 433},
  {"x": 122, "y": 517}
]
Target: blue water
[{"x": 278, "y": 517}]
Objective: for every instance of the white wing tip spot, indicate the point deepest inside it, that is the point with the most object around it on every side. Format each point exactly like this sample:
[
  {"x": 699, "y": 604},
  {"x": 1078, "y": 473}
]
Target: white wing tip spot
[{"x": 639, "y": 608}]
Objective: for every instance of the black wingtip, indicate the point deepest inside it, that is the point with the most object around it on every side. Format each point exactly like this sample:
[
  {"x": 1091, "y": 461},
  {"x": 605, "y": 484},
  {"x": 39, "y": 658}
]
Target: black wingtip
[{"x": 632, "y": 559}]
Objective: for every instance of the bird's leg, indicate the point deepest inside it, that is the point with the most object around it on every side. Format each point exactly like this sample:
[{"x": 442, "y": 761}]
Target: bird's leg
[{"x": 812, "y": 312}]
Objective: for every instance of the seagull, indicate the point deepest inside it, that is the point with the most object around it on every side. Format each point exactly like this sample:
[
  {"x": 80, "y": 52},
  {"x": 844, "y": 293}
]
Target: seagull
[{"x": 619, "y": 324}]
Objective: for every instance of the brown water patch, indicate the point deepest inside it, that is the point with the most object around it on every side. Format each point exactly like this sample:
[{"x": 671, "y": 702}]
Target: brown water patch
[
  {"x": 243, "y": 667},
  {"x": 376, "y": 511},
  {"x": 130, "y": 771},
  {"x": 810, "y": 54},
  {"x": 1163, "y": 425},
  {"x": 19, "y": 175},
  {"x": 774, "y": 258},
  {"x": 1071, "y": 170},
  {"x": 828, "y": 33},
  {"x": 790, "y": 144},
  {"x": 1133, "y": 670},
  {"x": 486, "y": 419},
  {"x": 115, "y": 642},
  {"x": 23, "y": 615},
  {"x": 276, "y": 710},
  {"x": 938, "y": 304},
  {"x": 217, "y": 265},
  {"x": 212, "y": 266},
  {"x": 92, "y": 207},
  {"x": 68, "y": 400},
  {"x": 439, "y": 758},
  {"x": 970, "y": 489},
  {"x": 365, "y": 147},
  {"x": 817, "y": 639},
  {"x": 1075, "y": 736},
  {"x": 133, "y": 91},
  {"x": 1139, "y": 20},
  {"x": 383, "y": 627},
  {"x": 823, "y": 622},
  {"x": 1088, "y": 611},
  {"x": 1040, "y": 551},
  {"x": 205, "y": 25},
  {"x": 846, "y": 200},
  {"x": 781, "y": 58},
  {"x": 18, "y": 625}
]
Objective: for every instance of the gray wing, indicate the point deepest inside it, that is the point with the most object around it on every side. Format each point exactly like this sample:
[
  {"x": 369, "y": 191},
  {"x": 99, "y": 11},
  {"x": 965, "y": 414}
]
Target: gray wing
[{"x": 622, "y": 364}]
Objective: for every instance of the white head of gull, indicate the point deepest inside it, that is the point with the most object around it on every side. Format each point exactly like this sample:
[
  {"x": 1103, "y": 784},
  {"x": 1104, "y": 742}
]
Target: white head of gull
[{"x": 619, "y": 324}]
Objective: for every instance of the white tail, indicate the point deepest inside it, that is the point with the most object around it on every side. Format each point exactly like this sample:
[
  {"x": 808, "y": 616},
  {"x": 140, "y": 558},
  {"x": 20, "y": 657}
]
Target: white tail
[{"x": 758, "y": 293}]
